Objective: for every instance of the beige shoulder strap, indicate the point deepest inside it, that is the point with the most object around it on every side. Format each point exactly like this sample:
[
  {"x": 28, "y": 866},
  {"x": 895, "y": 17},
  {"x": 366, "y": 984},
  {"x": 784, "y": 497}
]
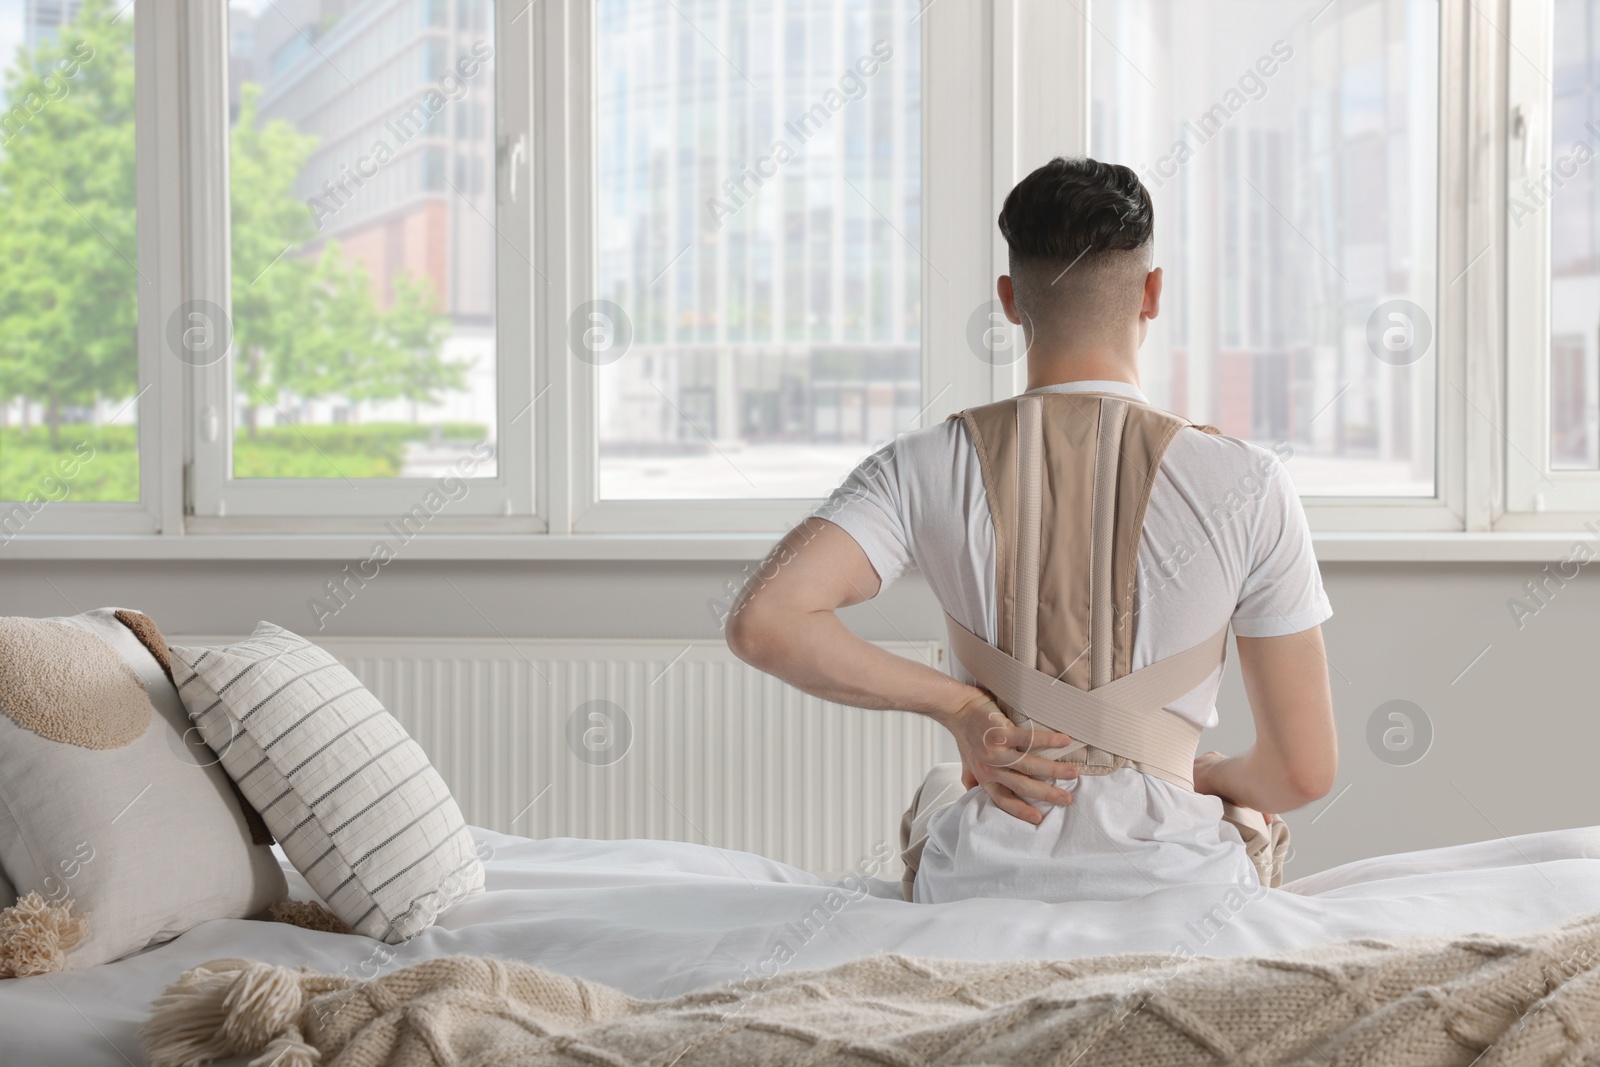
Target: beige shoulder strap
[{"x": 1064, "y": 602}]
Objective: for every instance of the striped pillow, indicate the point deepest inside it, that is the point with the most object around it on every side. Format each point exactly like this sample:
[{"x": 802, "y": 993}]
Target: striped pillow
[{"x": 354, "y": 802}]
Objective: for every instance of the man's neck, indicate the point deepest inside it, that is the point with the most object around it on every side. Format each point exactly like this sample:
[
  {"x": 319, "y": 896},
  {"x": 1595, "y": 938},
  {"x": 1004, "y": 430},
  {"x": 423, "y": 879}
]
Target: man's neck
[{"x": 1056, "y": 365}]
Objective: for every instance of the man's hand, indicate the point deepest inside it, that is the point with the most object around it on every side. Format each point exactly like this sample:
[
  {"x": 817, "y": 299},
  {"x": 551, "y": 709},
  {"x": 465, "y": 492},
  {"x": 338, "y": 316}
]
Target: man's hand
[
  {"x": 997, "y": 754},
  {"x": 785, "y": 622},
  {"x": 1203, "y": 766}
]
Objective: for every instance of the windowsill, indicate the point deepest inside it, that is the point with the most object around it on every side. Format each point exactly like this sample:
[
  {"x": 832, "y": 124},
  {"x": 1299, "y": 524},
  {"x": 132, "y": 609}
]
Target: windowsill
[{"x": 1331, "y": 547}]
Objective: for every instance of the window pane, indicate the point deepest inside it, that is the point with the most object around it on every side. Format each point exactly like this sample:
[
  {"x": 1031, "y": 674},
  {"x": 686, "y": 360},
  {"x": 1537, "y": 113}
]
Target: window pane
[
  {"x": 759, "y": 327},
  {"x": 363, "y": 199},
  {"x": 1574, "y": 237},
  {"x": 69, "y": 283},
  {"x": 1291, "y": 150}
]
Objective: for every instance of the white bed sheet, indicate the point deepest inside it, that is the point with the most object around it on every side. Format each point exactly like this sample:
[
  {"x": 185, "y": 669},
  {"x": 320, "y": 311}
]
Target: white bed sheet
[{"x": 657, "y": 918}]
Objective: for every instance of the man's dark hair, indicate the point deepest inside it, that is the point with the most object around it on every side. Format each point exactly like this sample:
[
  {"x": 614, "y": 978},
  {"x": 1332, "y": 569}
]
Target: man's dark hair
[{"x": 1080, "y": 237}]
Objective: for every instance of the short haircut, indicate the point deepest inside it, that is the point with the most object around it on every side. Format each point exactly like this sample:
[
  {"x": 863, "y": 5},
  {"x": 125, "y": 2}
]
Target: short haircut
[{"x": 1080, "y": 237}]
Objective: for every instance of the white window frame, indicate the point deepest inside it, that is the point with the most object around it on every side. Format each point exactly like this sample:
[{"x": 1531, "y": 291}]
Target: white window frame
[
  {"x": 956, "y": 174},
  {"x": 217, "y": 499},
  {"x": 1006, "y": 86},
  {"x": 1537, "y": 495},
  {"x": 159, "y": 400},
  {"x": 1445, "y": 510},
  {"x": 1030, "y": 104}
]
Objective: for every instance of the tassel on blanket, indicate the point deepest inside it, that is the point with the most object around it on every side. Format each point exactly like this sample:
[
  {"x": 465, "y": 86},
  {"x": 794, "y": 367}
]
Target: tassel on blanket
[
  {"x": 288, "y": 1050},
  {"x": 231, "y": 1007},
  {"x": 36, "y": 935},
  {"x": 414, "y": 1016}
]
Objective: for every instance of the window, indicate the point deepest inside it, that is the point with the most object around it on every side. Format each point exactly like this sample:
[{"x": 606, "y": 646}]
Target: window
[
  {"x": 759, "y": 327},
  {"x": 363, "y": 286},
  {"x": 69, "y": 270},
  {"x": 1292, "y": 156},
  {"x": 706, "y": 256},
  {"x": 1575, "y": 241},
  {"x": 1572, "y": 436},
  {"x": 1553, "y": 263},
  {"x": 366, "y": 258}
]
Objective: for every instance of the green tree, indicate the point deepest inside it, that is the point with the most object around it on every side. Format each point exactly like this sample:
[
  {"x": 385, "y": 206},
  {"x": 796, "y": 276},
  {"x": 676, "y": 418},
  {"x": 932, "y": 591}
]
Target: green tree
[
  {"x": 348, "y": 355},
  {"x": 271, "y": 320},
  {"x": 308, "y": 325},
  {"x": 417, "y": 331},
  {"x": 68, "y": 282},
  {"x": 304, "y": 324}
]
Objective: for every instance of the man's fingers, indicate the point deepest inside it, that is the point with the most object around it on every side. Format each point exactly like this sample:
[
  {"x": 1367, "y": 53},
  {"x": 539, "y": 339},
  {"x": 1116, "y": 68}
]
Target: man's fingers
[
  {"x": 1033, "y": 789},
  {"x": 1008, "y": 802},
  {"x": 998, "y": 735},
  {"x": 1041, "y": 767},
  {"x": 1022, "y": 738},
  {"x": 1009, "y": 759},
  {"x": 1019, "y": 809},
  {"x": 1029, "y": 791},
  {"x": 1036, "y": 738}
]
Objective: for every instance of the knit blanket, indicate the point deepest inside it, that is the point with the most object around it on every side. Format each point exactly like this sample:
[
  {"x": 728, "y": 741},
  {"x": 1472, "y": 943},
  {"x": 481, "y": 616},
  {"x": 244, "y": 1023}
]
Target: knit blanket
[{"x": 1492, "y": 1002}]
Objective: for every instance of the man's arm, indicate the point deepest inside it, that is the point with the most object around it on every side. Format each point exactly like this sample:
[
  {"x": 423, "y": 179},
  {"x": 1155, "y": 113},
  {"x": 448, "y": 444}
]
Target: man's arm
[
  {"x": 1296, "y": 752},
  {"x": 784, "y": 623}
]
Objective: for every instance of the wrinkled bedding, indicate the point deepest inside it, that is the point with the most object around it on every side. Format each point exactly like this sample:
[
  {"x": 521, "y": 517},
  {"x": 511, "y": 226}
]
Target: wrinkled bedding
[{"x": 659, "y": 918}]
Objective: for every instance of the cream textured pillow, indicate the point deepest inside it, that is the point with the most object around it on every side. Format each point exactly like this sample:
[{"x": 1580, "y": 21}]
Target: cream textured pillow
[
  {"x": 352, "y": 800},
  {"x": 102, "y": 804}
]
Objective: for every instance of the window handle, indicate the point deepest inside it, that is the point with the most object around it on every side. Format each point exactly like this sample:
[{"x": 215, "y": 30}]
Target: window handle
[
  {"x": 517, "y": 156},
  {"x": 1520, "y": 130}
]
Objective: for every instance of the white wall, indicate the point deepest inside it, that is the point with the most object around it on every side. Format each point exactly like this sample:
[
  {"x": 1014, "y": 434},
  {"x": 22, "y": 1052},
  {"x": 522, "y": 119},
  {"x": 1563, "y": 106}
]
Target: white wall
[{"x": 1515, "y": 738}]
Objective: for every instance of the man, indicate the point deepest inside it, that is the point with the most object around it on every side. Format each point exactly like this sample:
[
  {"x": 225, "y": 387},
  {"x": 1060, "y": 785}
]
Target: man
[{"x": 1223, "y": 541}]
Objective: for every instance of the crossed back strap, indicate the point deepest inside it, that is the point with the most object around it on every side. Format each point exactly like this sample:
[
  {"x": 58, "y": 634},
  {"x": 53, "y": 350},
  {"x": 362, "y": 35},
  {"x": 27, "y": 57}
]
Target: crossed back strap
[{"x": 1080, "y": 466}]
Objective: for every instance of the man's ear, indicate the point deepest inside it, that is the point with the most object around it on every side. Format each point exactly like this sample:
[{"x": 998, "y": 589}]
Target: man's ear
[
  {"x": 1152, "y": 294},
  {"x": 1008, "y": 299}
]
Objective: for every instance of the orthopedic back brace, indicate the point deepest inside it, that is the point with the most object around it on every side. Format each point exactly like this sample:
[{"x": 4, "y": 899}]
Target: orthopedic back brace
[{"x": 1068, "y": 479}]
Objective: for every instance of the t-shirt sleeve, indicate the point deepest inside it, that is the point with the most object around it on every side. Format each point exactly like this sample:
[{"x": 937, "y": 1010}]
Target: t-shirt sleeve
[
  {"x": 867, "y": 507},
  {"x": 1283, "y": 593}
]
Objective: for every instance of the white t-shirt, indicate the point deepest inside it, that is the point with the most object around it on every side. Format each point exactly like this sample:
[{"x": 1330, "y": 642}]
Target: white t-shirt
[{"x": 1225, "y": 539}]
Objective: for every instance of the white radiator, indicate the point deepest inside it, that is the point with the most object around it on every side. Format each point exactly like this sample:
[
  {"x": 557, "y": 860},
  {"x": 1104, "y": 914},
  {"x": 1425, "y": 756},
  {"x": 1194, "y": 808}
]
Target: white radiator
[{"x": 659, "y": 739}]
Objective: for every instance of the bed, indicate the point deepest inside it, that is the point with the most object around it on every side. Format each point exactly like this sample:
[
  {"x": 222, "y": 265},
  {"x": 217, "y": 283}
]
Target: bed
[{"x": 660, "y": 918}]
